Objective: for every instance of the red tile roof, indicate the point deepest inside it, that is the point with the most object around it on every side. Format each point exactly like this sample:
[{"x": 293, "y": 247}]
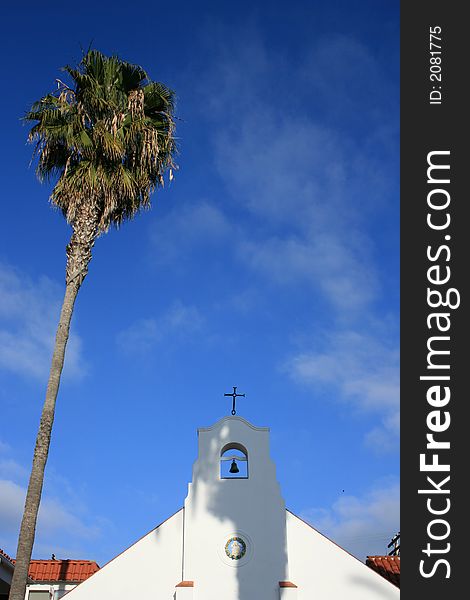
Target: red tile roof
[
  {"x": 387, "y": 566},
  {"x": 62, "y": 570}
]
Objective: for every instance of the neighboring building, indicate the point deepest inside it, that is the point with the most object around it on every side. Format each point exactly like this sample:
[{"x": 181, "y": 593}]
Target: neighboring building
[
  {"x": 6, "y": 573},
  {"x": 387, "y": 566},
  {"x": 234, "y": 538},
  {"x": 47, "y": 579},
  {"x": 52, "y": 579}
]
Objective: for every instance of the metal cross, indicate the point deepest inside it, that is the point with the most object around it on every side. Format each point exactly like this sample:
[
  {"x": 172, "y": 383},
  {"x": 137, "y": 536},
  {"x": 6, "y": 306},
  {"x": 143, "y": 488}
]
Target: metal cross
[{"x": 234, "y": 395}]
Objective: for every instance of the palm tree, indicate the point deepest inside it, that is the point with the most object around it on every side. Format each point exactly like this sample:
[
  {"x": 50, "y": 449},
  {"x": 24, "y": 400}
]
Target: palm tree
[{"x": 107, "y": 140}]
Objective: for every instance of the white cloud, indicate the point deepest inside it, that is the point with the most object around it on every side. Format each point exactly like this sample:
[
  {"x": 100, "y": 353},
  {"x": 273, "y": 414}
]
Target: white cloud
[
  {"x": 278, "y": 154},
  {"x": 365, "y": 372},
  {"x": 306, "y": 181},
  {"x": 179, "y": 320},
  {"x": 310, "y": 185},
  {"x": 59, "y": 523},
  {"x": 54, "y": 517},
  {"x": 29, "y": 312},
  {"x": 362, "y": 525},
  {"x": 298, "y": 175},
  {"x": 10, "y": 469},
  {"x": 325, "y": 263},
  {"x": 307, "y": 184},
  {"x": 384, "y": 437}
]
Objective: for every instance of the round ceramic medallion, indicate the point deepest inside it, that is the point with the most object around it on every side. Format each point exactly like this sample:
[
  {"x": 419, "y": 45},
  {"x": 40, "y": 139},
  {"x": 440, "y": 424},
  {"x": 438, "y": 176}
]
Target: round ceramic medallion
[{"x": 235, "y": 548}]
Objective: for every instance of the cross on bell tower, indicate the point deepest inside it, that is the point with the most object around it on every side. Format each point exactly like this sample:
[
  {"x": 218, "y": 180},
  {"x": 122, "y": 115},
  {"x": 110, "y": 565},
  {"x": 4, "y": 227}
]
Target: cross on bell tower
[{"x": 234, "y": 395}]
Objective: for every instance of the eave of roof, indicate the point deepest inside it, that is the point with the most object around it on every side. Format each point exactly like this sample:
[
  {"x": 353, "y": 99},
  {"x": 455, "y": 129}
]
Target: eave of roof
[
  {"x": 387, "y": 566},
  {"x": 73, "y": 571}
]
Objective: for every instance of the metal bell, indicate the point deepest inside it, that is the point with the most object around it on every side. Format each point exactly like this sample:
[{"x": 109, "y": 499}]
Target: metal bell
[{"x": 234, "y": 467}]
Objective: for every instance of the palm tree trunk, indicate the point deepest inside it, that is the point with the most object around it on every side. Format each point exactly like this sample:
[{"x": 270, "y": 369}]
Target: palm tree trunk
[
  {"x": 78, "y": 257},
  {"x": 41, "y": 451}
]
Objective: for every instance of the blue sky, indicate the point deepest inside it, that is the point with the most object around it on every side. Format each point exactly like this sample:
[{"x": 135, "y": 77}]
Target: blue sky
[{"x": 269, "y": 263}]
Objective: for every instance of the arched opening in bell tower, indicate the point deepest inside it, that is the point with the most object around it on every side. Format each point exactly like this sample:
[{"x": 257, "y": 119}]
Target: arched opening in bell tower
[{"x": 234, "y": 461}]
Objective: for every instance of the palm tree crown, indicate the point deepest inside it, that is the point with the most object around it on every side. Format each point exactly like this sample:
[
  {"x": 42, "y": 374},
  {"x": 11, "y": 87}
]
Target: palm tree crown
[{"x": 108, "y": 139}]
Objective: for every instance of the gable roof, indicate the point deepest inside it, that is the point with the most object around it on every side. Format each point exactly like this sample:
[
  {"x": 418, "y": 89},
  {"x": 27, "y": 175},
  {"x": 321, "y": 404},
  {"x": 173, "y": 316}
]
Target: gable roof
[
  {"x": 387, "y": 566},
  {"x": 62, "y": 570}
]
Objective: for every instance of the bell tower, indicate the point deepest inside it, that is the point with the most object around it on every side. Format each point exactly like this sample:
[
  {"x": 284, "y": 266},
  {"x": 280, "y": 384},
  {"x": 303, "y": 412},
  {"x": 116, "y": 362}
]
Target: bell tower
[{"x": 234, "y": 516}]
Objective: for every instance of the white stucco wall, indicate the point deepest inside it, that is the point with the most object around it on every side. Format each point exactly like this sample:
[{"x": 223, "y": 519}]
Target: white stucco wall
[
  {"x": 148, "y": 570},
  {"x": 217, "y": 509},
  {"x": 324, "y": 571}
]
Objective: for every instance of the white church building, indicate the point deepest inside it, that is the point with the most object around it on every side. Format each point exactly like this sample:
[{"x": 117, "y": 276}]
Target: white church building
[{"x": 234, "y": 539}]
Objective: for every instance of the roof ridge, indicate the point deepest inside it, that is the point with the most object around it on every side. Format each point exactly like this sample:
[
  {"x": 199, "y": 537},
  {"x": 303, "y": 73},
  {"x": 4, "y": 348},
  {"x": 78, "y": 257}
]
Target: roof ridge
[{"x": 58, "y": 560}]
